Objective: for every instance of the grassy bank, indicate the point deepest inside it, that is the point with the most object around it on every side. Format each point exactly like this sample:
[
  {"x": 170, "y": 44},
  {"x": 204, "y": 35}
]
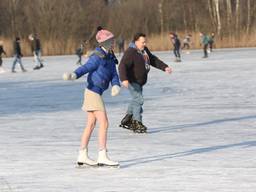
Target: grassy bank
[{"x": 155, "y": 42}]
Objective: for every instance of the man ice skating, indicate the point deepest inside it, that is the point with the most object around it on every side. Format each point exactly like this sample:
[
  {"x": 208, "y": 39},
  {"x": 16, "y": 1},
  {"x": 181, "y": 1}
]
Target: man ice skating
[
  {"x": 17, "y": 55},
  {"x": 101, "y": 69},
  {"x": 204, "y": 43},
  {"x": 36, "y": 50},
  {"x": 133, "y": 70},
  {"x": 176, "y": 46},
  {"x": 80, "y": 52},
  {"x": 1, "y": 53}
]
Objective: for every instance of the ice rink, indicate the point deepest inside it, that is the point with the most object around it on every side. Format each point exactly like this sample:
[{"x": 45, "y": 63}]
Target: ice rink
[{"x": 201, "y": 123}]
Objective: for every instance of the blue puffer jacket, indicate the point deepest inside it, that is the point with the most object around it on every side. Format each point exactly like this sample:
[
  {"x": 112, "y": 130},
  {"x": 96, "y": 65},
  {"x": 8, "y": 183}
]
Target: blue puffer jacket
[{"x": 102, "y": 70}]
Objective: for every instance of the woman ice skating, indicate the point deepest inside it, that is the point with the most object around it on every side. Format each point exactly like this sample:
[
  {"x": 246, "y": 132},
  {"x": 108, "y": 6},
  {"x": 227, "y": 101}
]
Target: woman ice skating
[
  {"x": 133, "y": 69},
  {"x": 17, "y": 55},
  {"x": 101, "y": 69},
  {"x": 186, "y": 43},
  {"x": 176, "y": 46},
  {"x": 1, "y": 53}
]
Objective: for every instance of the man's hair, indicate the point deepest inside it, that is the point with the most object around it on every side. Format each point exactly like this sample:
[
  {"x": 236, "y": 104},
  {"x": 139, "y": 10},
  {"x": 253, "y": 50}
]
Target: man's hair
[{"x": 137, "y": 36}]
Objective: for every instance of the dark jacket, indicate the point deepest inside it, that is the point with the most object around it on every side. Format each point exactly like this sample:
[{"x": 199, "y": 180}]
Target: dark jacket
[
  {"x": 36, "y": 45},
  {"x": 102, "y": 71},
  {"x": 204, "y": 40},
  {"x": 134, "y": 68},
  {"x": 80, "y": 51},
  {"x": 176, "y": 42},
  {"x": 211, "y": 39},
  {"x": 2, "y": 50},
  {"x": 17, "y": 49}
]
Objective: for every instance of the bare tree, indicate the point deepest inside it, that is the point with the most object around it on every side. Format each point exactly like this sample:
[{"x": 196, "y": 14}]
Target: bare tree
[
  {"x": 237, "y": 16},
  {"x": 217, "y": 16},
  {"x": 211, "y": 12},
  {"x": 160, "y": 7},
  {"x": 229, "y": 13},
  {"x": 13, "y": 6},
  {"x": 248, "y": 16}
]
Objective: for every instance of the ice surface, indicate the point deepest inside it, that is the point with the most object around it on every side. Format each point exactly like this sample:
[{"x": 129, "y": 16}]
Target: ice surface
[{"x": 201, "y": 120}]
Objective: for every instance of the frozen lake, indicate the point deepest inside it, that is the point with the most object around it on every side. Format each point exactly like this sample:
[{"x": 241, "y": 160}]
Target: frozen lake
[{"x": 201, "y": 122}]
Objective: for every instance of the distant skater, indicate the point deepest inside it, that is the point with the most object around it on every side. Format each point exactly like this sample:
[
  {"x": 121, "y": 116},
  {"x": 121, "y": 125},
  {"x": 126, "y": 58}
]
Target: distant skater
[
  {"x": 211, "y": 41},
  {"x": 176, "y": 46},
  {"x": 120, "y": 43},
  {"x": 36, "y": 50},
  {"x": 2, "y": 51},
  {"x": 80, "y": 52},
  {"x": 204, "y": 43},
  {"x": 187, "y": 43},
  {"x": 17, "y": 55}
]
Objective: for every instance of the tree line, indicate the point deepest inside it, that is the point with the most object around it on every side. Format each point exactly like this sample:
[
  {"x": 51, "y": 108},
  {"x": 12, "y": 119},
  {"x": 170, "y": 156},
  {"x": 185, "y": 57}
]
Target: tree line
[{"x": 63, "y": 24}]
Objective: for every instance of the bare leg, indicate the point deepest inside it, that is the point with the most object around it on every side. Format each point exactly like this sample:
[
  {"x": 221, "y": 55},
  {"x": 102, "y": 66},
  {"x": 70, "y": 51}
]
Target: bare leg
[
  {"x": 91, "y": 120},
  {"x": 102, "y": 118},
  {"x": 103, "y": 159}
]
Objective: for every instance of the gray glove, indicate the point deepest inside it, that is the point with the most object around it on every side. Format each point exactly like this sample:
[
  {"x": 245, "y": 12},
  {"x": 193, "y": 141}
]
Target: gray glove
[
  {"x": 69, "y": 76},
  {"x": 115, "y": 90}
]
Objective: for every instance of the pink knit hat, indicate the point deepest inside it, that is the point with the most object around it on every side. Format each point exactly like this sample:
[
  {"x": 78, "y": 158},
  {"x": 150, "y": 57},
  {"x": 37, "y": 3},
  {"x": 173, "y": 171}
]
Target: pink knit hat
[{"x": 104, "y": 35}]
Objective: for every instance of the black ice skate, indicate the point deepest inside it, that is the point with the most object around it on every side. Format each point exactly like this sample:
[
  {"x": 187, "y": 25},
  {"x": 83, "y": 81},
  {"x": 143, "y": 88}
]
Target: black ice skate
[
  {"x": 126, "y": 122},
  {"x": 36, "y": 67},
  {"x": 138, "y": 127},
  {"x": 177, "y": 59}
]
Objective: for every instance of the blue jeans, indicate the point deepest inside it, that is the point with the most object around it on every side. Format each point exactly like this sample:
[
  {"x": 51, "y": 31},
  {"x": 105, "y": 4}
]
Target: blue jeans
[
  {"x": 17, "y": 59},
  {"x": 176, "y": 51},
  {"x": 135, "y": 106},
  {"x": 37, "y": 58}
]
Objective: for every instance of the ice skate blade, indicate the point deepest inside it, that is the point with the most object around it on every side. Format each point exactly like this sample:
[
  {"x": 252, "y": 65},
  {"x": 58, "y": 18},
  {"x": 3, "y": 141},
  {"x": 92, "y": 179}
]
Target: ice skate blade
[
  {"x": 85, "y": 165},
  {"x": 125, "y": 127},
  {"x": 141, "y": 132},
  {"x": 102, "y": 165}
]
